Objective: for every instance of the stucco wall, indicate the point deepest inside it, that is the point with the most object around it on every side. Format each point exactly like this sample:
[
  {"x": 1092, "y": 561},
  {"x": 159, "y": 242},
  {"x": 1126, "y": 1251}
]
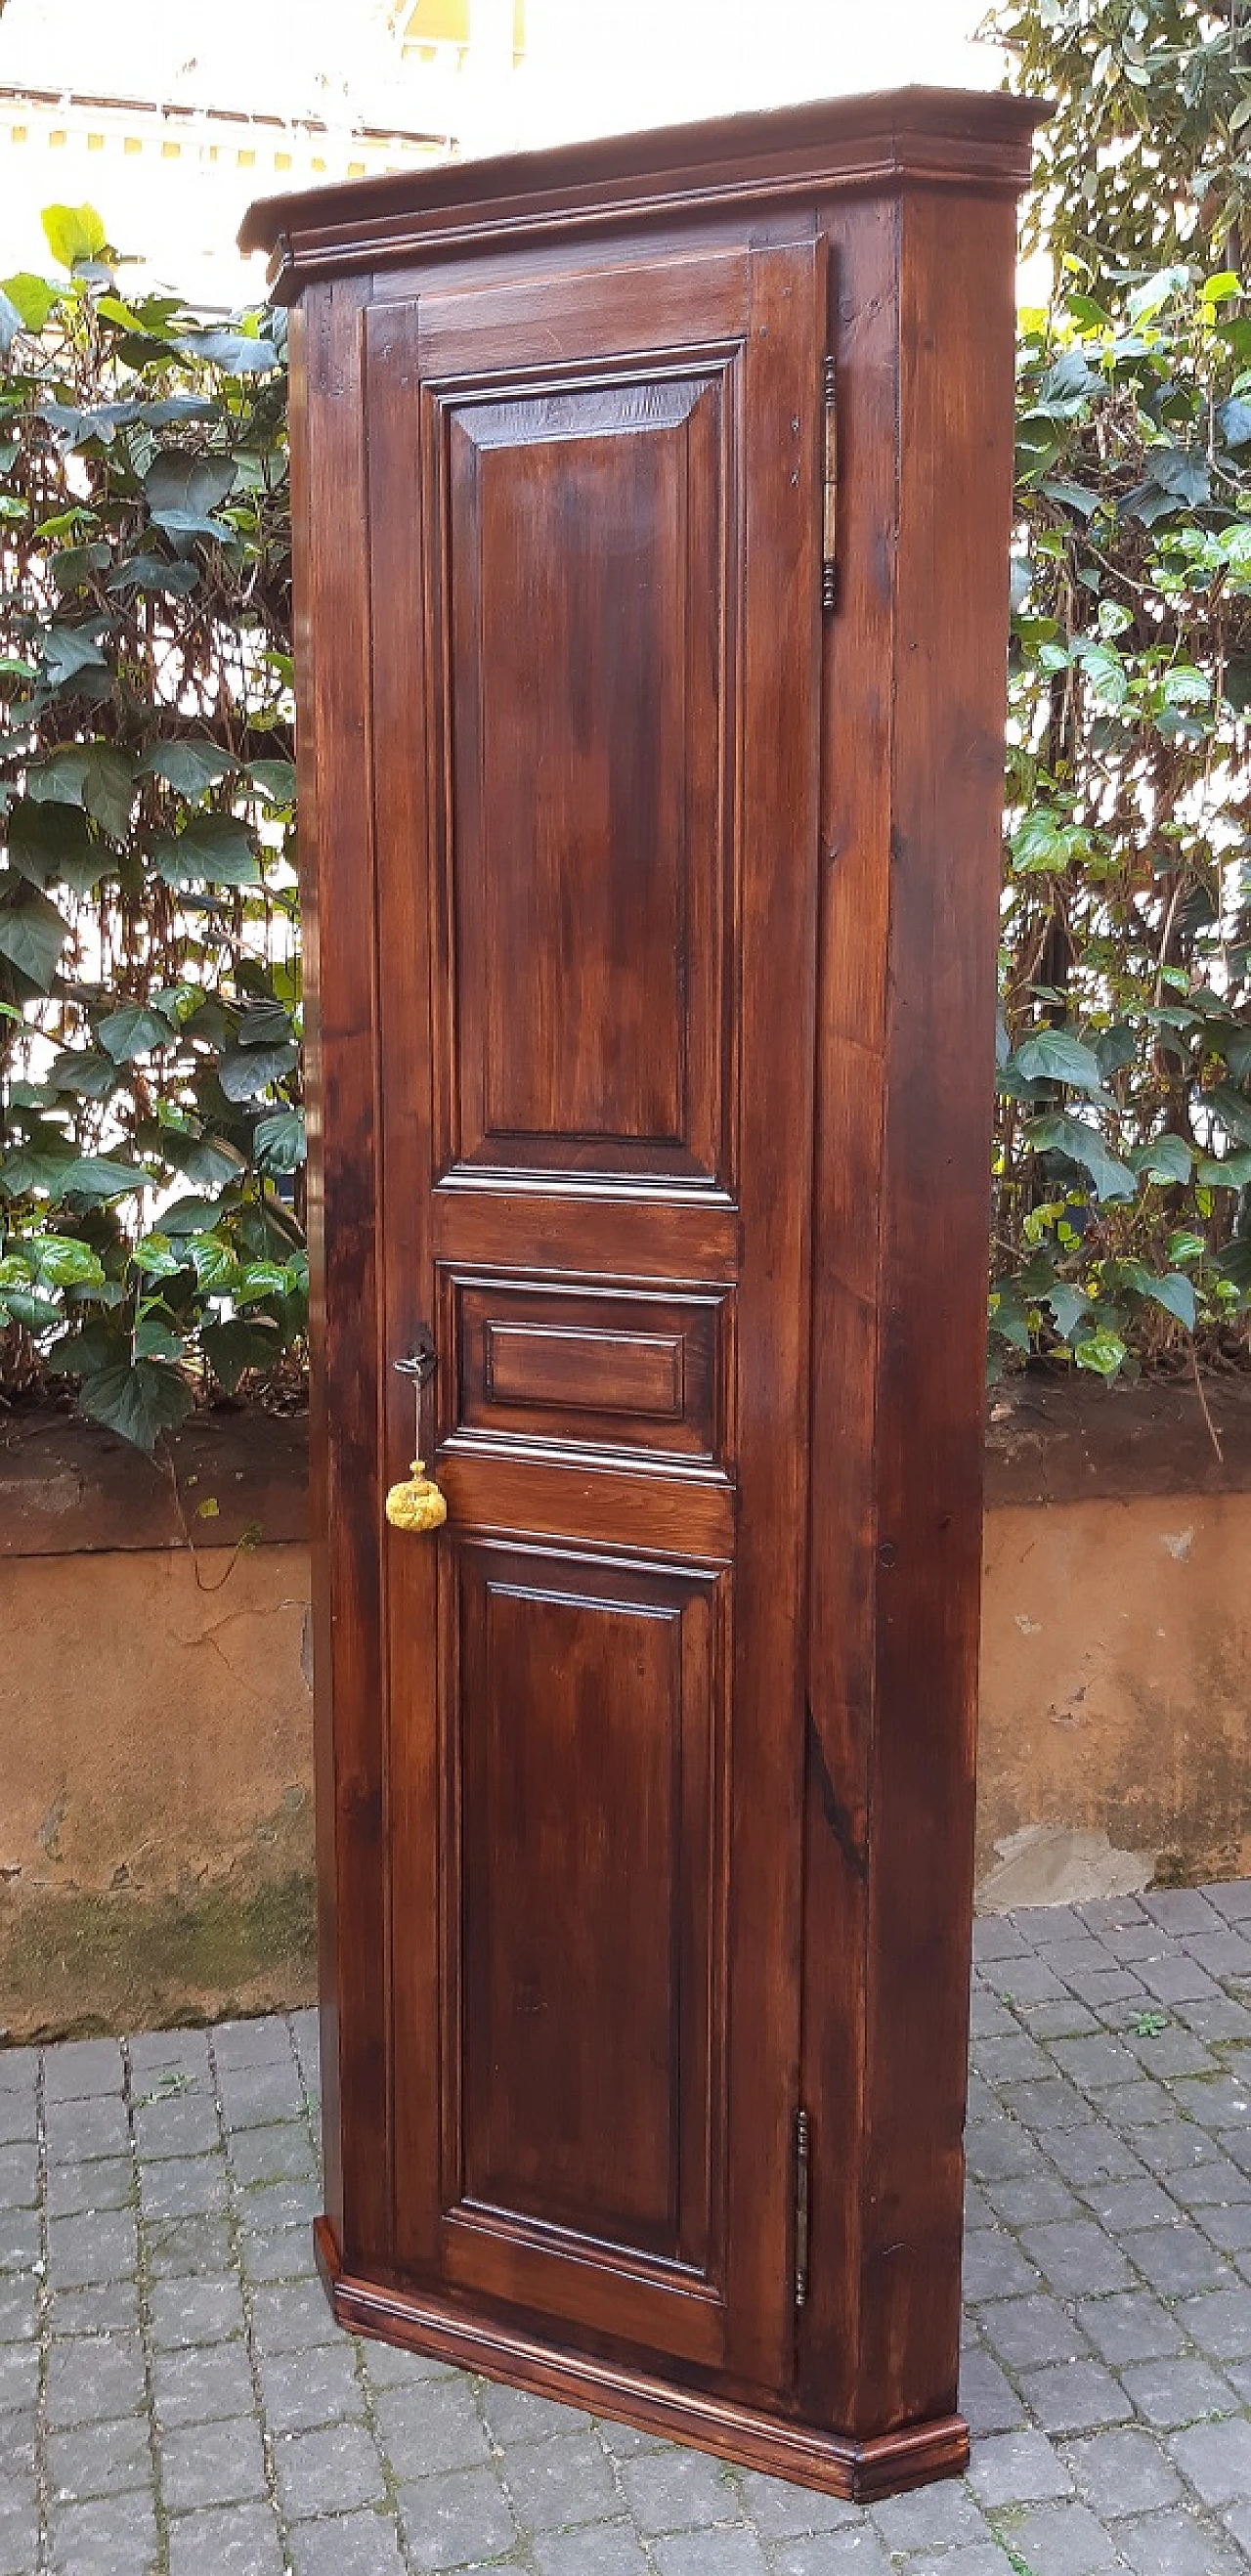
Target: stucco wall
[{"x": 155, "y": 1714}]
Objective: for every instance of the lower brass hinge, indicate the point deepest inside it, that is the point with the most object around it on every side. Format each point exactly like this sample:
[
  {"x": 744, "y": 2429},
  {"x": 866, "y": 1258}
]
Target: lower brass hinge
[
  {"x": 829, "y": 488},
  {"x": 802, "y": 2158}
]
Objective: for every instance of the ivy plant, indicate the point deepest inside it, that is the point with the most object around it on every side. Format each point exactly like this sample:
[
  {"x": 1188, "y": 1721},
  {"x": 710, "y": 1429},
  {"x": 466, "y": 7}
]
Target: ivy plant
[{"x": 152, "y": 1136}]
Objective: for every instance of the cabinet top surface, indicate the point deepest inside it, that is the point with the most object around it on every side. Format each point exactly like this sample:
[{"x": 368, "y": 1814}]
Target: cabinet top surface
[{"x": 881, "y": 140}]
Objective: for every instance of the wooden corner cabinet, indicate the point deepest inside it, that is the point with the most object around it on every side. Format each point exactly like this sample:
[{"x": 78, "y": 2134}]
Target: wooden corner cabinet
[{"x": 651, "y": 514}]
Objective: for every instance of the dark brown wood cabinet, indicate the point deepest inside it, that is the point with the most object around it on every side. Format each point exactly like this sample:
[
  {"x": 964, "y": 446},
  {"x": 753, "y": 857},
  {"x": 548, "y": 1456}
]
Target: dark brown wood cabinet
[{"x": 651, "y": 505}]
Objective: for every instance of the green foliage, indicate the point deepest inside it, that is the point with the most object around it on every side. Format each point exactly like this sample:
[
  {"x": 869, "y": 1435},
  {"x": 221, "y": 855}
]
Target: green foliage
[
  {"x": 151, "y": 1142},
  {"x": 1123, "y": 1147}
]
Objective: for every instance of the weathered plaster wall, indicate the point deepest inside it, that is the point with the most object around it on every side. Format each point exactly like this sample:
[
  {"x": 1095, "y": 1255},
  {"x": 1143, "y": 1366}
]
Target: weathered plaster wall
[{"x": 156, "y": 1721}]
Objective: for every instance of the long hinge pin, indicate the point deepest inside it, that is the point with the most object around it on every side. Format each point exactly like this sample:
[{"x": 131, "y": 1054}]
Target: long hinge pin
[
  {"x": 802, "y": 2165},
  {"x": 829, "y": 488}
]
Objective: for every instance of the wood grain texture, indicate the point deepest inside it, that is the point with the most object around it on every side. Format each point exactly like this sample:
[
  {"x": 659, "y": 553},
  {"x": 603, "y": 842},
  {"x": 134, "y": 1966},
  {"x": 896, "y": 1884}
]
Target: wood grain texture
[{"x": 644, "y": 904}]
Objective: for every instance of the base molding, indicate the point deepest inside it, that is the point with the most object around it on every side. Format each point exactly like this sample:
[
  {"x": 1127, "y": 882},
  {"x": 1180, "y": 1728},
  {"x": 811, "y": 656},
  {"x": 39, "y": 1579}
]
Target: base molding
[{"x": 858, "y": 2471}]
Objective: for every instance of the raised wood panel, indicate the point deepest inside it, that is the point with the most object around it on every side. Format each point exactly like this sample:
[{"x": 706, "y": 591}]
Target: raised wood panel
[
  {"x": 582, "y": 700},
  {"x": 590, "y": 1842},
  {"x": 591, "y": 1367}
]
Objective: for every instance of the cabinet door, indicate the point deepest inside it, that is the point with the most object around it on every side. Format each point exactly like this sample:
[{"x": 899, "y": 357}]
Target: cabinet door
[{"x": 594, "y": 517}]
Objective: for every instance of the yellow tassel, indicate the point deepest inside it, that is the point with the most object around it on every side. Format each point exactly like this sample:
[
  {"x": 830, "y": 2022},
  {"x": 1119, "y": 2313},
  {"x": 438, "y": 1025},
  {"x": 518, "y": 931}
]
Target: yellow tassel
[{"x": 417, "y": 1504}]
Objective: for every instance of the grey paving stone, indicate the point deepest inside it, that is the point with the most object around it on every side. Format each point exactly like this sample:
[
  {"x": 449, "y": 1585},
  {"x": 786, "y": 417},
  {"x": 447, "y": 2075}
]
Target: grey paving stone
[
  {"x": 997, "y": 1936},
  {"x": 1224, "y": 1954},
  {"x": 1178, "y": 1910},
  {"x": 1034, "y": 2200},
  {"x": 1232, "y": 1898},
  {"x": 184, "y": 2125},
  {"x": 1062, "y": 2540},
  {"x": 1228, "y": 2228},
  {"x": 944, "y": 2516},
  {"x": 711, "y": 2553},
  {"x": 280, "y": 2254},
  {"x": 281, "y": 2152},
  {"x": 80, "y": 2131},
  {"x": 157, "y": 2054},
  {"x": 1026, "y": 2333},
  {"x": 995, "y": 2267},
  {"x": 80, "y": 2067},
  {"x": 625, "y": 2441},
  {"x": 1173, "y": 2051},
  {"x": 1121, "y": 2206},
  {"x": 1048, "y": 2105},
  {"x": 1177, "y": 1979},
  {"x": 1077, "y": 2257},
  {"x": 1198, "y": 2187},
  {"x": 1024, "y": 1980},
  {"x": 263, "y": 2209},
  {"x": 1130, "y": 2325},
  {"x": 1013, "y": 2057},
  {"x": 301, "y": 2390},
  {"x": 1172, "y": 2393},
  {"x": 263, "y": 2042},
  {"x": 110, "y": 2307},
  {"x": 389, "y": 2367},
  {"x": 554, "y": 2485},
  {"x": 184, "y": 2186},
  {"x": 18, "y": 2302},
  {"x": 996, "y": 2149},
  {"x": 1123, "y": 2472},
  {"x": 1219, "y": 2322},
  {"x": 1095, "y": 2062},
  {"x": 20, "y": 2243},
  {"x": 1018, "y": 2468},
  {"x": 93, "y": 2377},
  {"x": 1176, "y": 2259},
  {"x": 19, "y": 2117},
  {"x": 1216, "y": 2017},
  {"x": 19, "y": 2068},
  {"x": 218, "y": 2463},
  {"x": 19, "y": 2375},
  {"x": 514, "y": 2415},
  {"x": 1237, "y": 2522},
  {"x": 108, "y": 2182},
  {"x": 1216, "y": 2458},
  {"x": 175, "y": 2246},
  {"x": 1093, "y": 2153},
  {"x": 113, "y": 2536},
  {"x": 99, "y": 2460},
  {"x": 456, "y": 2520},
  {"x": 434, "y": 2426},
  {"x": 781, "y": 2511},
  {"x": 988, "y": 2400},
  {"x": 203, "y": 2384},
  {"x": 254, "y": 2096},
  {"x": 19, "y": 2535},
  {"x": 99, "y": 2246},
  {"x": 1176, "y": 2544},
  {"x": 602, "y": 2549},
  {"x": 854, "y": 2550},
  {"x": 674, "y": 2490},
  {"x": 1063, "y": 2018},
  {"x": 1137, "y": 2108},
  {"x": 19, "y": 2176},
  {"x": 1074, "y": 2397},
  {"x": 191, "y": 2310},
  {"x": 235, "y": 2540},
  {"x": 353, "y": 2544},
  {"x": 293, "y": 2317},
  {"x": 335, "y": 2472}
]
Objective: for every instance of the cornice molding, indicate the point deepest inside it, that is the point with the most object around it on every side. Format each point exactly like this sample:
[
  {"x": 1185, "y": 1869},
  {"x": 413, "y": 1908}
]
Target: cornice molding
[{"x": 975, "y": 140}]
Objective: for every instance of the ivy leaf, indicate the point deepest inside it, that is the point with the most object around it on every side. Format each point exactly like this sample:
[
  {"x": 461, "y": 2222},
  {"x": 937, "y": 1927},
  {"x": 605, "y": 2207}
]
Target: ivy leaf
[
  {"x": 133, "y": 1030},
  {"x": 213, "y": 849},
  {"x": 1054, "y": 1056},
  {"x": 147, "y": 572},
  {"x": 261, "y": 1279},
  {"x": 73, "y": 234},
  {"x": 216, "y": 1268},
  {"x": 235, "y": 351},
  {"x": 155, "y": 1341},
  {"x": 84, "y": 1072},
  {"x": 1068, "y": 1305},
  {"x": 64, "y": 1263},
  {"x": 264, "y": 1023},
  {"x": 207, "y": 1160},
  {"x": 238, "y": 1345},
  {"x": 1177, "y": 1295},
  {"x": 48, "y": 840},
  {"x": 67, "y": 650},
  {"x": 275, "y": 779},
  {"x": 189, "y": 767},
  {"x": 1061, "y": 1134},
  {"x": 1102, "y": 1351},
  {"x": 155, "y": 1256},
  {"x": 108, "y": 789},
  {"x": 246, "y": 1072},
  {"x": 1165, "y": 1158},
  {"x": 33, "y": 297},
  {"x": 1233, "y": 1110},
  {"x": 279, "y": 1143},
  {"x": 1223, "y": 1172},
  {"x": 183, "y": 491},
  {"x": 138, "y": 1399},
  {"x": 32, "y": 934},
  {"x": 102, "y": 1176}
]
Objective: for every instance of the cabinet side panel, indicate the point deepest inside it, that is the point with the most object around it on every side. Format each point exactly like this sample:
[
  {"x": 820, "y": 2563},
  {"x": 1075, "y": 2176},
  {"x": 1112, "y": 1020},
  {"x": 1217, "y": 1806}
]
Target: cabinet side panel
[
  {"x": 855, "y": 873},
  {"x": 332, "y": 651},
  {"x": 955, "y": 448}
]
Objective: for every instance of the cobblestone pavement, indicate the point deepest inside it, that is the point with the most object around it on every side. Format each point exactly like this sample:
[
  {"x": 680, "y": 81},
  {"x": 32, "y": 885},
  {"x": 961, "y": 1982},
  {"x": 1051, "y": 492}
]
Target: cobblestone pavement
[{"x": 174, "y": 2397}]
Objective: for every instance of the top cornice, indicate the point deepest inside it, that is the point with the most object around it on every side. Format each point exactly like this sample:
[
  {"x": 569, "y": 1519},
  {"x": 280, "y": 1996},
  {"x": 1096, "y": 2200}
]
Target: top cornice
[{"x": 978, "y": 140}]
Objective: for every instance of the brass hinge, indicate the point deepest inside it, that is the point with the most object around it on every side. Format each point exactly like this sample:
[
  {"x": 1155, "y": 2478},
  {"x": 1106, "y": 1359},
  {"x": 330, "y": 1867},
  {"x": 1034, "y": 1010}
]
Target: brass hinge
[
  {"x": 801, "y": 2207},
  {"x": 829, "y": 487}
]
